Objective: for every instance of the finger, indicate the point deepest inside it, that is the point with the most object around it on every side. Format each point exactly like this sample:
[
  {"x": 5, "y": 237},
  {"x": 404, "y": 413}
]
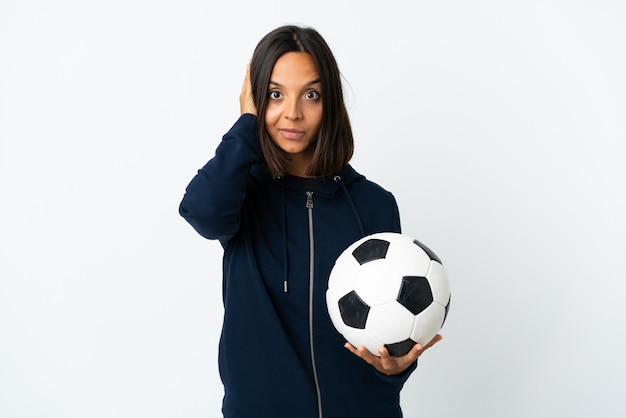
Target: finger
[
  {"x": 352, "y": 348},
  {"x": 384, "y": 353},
  {"x": 390, "y": 365},
  {"x": 246, "y": 101},
  {"x": 402, "y": 362},
  {"x": 359, "y": 352},
  {"x": 434, "y": 341},
  {"x": 246, "y": 79},
  {"x": 414, "y": 353},
  {"x": 386, "y": 361},
  {"x": 365, "y": 354}
]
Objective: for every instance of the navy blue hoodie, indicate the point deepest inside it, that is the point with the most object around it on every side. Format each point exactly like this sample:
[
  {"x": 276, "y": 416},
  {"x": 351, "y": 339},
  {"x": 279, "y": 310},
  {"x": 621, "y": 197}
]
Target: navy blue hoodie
[{"x": 280, "y": 355}]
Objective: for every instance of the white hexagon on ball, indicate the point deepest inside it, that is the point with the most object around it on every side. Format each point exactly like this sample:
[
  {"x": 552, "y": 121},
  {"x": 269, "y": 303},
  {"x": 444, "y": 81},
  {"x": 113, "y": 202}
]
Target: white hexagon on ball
[
  {"x": 360, "y": 337},
  {"x": 378, "y": 322},
  {"x": 368, "y": 282},
  {"x": 428, "y": 323},
  {"x": 439, "y": 283},
  {"x": 404, "y": 256}
]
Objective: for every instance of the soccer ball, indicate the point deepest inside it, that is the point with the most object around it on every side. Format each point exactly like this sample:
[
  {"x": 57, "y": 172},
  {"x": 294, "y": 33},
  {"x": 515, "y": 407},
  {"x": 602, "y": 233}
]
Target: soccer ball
[{"x": 388, "y": 289}]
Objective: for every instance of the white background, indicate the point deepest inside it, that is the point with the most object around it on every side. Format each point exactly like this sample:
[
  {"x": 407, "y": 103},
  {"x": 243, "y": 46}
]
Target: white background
[{"x": 499, "y": 126}]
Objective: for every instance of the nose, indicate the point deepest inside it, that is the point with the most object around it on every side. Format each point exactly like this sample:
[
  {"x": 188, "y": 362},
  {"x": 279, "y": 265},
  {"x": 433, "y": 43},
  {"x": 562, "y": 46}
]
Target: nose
[{"x": 293, "y": 110}]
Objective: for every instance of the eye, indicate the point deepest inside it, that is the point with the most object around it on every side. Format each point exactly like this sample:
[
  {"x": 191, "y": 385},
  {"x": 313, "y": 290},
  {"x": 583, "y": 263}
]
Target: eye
[
  {"x": 274, "y": 95},
  {"x": 312, "y": 95}
]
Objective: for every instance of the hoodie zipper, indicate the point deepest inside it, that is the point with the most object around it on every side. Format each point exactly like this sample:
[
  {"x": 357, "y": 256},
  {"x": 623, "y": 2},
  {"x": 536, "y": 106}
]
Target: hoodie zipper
[{"x": 309, "y": 206}]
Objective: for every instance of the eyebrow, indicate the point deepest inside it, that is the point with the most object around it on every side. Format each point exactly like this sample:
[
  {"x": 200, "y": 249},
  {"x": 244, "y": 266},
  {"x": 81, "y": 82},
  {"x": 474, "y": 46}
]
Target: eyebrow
[{"x": 310, "y": 83}]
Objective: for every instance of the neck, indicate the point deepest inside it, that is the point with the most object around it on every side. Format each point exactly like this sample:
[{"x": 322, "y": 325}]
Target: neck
[{"x": 298, "y": 165}]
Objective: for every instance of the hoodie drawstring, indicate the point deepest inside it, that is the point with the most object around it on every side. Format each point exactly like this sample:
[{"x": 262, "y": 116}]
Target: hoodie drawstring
[
  {"x": 285, "y": 268},
  {"x": 339, "y": 181},
  {"x": 356, "y": 213}
]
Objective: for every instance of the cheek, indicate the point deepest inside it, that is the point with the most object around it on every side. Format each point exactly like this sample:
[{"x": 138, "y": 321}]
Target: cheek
[
  {"x": 318, "y": 119},
  {"x": 272, "y": 114}
]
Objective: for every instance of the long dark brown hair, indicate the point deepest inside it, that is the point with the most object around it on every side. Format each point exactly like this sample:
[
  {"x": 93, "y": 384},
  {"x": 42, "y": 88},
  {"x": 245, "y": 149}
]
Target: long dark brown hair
[{"x": 335, "y": 144}]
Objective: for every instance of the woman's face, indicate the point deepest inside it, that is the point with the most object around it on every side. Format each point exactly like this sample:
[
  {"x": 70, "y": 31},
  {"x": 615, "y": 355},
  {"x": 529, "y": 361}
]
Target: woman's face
[{"x": 294, "y": 109}]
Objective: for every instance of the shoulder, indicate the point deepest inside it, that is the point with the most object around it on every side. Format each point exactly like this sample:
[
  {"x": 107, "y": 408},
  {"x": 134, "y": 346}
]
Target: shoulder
[
  {"x": 358, "y": 183},
  {"x": 376, "y": 205}
]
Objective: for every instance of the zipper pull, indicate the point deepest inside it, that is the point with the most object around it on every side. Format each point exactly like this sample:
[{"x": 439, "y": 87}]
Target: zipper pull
[{"x": 309, "y": 200}]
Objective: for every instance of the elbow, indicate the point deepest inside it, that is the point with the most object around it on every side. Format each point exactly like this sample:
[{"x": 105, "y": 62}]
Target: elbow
[{"x": 209, "y": 225}]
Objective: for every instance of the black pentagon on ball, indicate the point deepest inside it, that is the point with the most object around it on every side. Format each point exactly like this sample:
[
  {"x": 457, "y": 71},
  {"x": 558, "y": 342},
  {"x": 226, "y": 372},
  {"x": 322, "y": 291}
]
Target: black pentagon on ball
[
  {"x": 447, "y": 309},
  {"x": 428, "y": 251},
  {"x": 353, "y": 310},
  {"x": 415, "y": 294},
  {"x": 401, "y": 348},
  {"x": 370, "y": 250}
]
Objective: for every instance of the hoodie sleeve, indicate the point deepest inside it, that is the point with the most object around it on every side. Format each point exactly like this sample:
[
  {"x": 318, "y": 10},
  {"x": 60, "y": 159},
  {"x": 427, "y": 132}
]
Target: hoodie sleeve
[
  {"x": 398, "y": 379},
  {"x": 213, "y": 199}
]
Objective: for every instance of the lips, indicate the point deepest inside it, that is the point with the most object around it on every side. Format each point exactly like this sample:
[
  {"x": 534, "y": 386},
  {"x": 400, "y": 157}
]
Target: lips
[{"x": 291, "y": 133}]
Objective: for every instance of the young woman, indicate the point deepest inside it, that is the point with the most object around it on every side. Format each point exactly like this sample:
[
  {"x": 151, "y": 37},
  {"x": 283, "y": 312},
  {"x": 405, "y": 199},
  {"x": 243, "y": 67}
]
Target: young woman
[{"x": 283, "y": 201}]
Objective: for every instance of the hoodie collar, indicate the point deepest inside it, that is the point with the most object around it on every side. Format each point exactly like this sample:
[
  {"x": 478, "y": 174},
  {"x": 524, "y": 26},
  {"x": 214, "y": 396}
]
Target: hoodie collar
[{"x": 329, "y": 187}]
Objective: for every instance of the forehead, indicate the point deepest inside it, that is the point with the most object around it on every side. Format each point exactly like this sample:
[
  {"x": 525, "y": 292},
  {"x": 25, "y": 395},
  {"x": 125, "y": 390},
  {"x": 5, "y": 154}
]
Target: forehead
[{"x": 294, "y": 67}]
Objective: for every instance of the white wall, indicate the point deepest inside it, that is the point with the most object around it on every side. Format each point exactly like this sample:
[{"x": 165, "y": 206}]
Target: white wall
[{"x": 499, "y": 126}]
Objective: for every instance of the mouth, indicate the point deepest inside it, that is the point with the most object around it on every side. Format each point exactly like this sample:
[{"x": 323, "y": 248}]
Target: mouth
[{"x": 291, "y": 133}]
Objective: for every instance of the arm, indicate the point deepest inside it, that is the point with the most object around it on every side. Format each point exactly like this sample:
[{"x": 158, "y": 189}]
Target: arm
[{"x": 214, "y": 197}]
